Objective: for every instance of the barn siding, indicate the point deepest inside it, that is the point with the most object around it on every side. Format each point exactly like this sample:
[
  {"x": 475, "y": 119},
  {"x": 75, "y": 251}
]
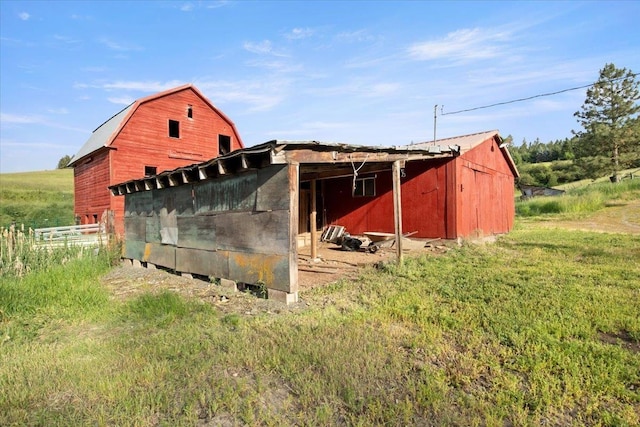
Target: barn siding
[
  {"x": 226, "y": 227},
  {"x": 91, "y": 182},
  {"x": 144, "y": 141}
]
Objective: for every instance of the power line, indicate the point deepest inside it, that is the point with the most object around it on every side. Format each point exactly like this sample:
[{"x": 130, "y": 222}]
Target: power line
[{"x": 534, "y": 96}]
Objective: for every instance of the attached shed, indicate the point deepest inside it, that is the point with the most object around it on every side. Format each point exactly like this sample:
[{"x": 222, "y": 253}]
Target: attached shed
[
  {"x": 238, "y": 216},
  {"x": 174, "y": 128}
]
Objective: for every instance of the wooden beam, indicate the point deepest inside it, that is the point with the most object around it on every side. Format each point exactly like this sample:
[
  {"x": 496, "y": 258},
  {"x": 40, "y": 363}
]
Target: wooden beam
[
  {"x": 397, "y": 209},
  {"x": 312, "y": 220}
]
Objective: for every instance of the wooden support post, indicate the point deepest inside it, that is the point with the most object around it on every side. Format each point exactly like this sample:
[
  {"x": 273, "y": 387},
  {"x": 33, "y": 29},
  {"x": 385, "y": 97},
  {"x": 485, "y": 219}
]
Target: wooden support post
[
  {"x": 397, "y": 209},
  {"x": 312, "y": 222}
]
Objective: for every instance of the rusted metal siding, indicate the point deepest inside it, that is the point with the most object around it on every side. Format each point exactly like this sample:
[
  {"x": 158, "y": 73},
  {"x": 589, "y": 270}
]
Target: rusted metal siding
[
  {"x": 233, "y": 227},
  {"x": 91, "y": 181}
]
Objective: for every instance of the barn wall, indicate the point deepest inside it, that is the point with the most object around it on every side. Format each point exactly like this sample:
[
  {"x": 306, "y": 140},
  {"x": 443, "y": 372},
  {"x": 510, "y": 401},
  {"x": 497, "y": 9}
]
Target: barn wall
[
  {"x": 240, "y": 228},
  {"x": 486, "y": 203},
  {"x": 424, "y": 198},
  {"x": 145, "y": 141},
  {"x": 91, "y": 193}
]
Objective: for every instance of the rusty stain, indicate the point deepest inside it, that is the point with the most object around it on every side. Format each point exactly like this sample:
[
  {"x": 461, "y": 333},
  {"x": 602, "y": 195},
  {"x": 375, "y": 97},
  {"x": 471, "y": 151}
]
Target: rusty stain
[
  {"x": 147, "y": 252},
  {"x": 261, "y": 266}
]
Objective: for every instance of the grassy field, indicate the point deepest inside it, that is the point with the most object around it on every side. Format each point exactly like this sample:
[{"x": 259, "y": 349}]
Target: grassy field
[
  {"x": 540, "y": 328},
  {"x": 37, "y": 199}
]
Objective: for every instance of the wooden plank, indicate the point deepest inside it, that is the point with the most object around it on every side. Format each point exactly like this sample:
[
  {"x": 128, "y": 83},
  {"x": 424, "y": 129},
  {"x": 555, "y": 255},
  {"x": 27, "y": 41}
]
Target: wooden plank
[
  {"x": 397, "y": 209},
  {"x": 293, "y": 179},
  {"x": 273, "y": 185},
  {"x": 197, "y": 232},
  {"x": 313, "y": 221},
  {"x": 138, "y": 204},
  {"x": 135, "y": 228},
  {"x": 253, "y": 231},
  {"x": 158, "y": 254},
  {"x": 234, "y": 193},
  {"x": 206, "y": 263},
  {"x": 272, "y": 270},
  {"x": 133, "y": 249}
]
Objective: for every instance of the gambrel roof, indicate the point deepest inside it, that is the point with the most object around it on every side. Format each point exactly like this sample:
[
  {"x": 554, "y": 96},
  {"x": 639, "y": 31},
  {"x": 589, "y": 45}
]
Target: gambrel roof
[{"x": 106, "y": 133}]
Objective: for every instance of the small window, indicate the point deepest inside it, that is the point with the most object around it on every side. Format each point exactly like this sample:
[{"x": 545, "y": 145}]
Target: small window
[
  {"x": 190, "y": 111},
  {"x": 150, "y": 170},
  {"x": 95, "y": 218},
  {"x": 174, "y": 129},
  {"x": 224, "y": 144},
  {"x": 365, "y": 187}
]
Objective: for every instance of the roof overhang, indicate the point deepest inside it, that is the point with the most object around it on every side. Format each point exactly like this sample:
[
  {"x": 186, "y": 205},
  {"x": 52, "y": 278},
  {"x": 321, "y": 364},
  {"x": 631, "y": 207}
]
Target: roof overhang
[{"x": 317, "y": 160}]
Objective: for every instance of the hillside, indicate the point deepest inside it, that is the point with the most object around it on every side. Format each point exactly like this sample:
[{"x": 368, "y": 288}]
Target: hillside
[{"x": 37, "y": 199}]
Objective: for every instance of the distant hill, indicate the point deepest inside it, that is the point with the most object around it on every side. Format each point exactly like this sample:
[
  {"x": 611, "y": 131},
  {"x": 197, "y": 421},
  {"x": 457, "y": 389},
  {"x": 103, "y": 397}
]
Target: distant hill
[{"x": 37, "y": 199}]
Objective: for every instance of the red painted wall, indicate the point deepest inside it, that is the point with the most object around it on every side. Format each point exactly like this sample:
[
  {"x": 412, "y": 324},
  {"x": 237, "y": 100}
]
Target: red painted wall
[
  {"x": 144, "y": 141},
  {"x": 470, "y": 195},
  {"x": 91, "y": 179}
]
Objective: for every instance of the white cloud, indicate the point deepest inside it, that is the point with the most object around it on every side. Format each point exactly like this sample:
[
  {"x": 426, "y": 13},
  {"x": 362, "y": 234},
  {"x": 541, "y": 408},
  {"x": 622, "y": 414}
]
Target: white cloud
[
  {"x": 262, "y": 48},
  {"x": 123, "y": 100},
  {"x": 355, "y": 36},
  {"x": 24, "y": 16},
  {"x": 187, "y": 7},
  {"x": 58, "y": 110},
  {"x": 141, "y": 86},
  {"x": 299, "y": 33},
  {"x": 462, "y": 45}
]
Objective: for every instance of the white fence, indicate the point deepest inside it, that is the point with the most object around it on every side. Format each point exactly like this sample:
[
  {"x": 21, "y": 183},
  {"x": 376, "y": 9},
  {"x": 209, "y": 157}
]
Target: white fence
[{"x": 84, "y": 235}]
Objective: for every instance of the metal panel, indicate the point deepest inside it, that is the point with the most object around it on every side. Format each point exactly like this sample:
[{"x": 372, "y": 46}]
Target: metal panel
[
  {"x": 153, "y": 229},
  {"x": 140, "y": 203},
  {"x": 197, "y": 232},
  {"x": 272, "y": 270},
  {"x": 133, "y": 249},
  {"x": 265, "y": 232},
  {"x": 135, "y": 228},
  {"x": 174, "y": 199},
  {"x": 163, "y": 255},
  {"x": 273, "y": 188},
  {"x": 235, "y": 193},
  {"x": 206, "y": 263}
]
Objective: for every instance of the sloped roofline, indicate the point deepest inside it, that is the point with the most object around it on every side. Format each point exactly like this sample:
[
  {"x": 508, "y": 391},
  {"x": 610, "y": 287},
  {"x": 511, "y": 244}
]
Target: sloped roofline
[
  {"x": 471, "y": 141},
  {"x": 114, "y": 125}
]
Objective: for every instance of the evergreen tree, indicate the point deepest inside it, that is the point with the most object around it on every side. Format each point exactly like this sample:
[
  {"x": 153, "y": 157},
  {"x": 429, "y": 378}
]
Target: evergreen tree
[
  {"x": 64, "y": 161},
  {"x": 610, "y": 139}
]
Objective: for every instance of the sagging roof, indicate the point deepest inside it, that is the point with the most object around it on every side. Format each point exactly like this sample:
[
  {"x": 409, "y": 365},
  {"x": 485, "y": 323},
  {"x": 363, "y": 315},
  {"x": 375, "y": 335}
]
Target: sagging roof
[
  {"x": 469, "y": 142},
  {"x": 320, "y": 159},
  {"x": 106, "y": 133}
]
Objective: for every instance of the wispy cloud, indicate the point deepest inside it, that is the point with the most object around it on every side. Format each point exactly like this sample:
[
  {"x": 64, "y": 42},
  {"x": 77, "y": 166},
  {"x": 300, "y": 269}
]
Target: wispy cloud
[
  {"x": 122, "y": 100},
  {"x": 264, "y": 47},
  {"x": 462, "y": 45},
  {"x": 24, "y": 16},
  {"x": 355, "y": 36},
  {"x": 58, "y": 110},
  {"x": 18, "y": 119},
  {"x": 299, "y": 33},
  {"x": 140, "y": 86},
  {"x": 121, "y": 47},
  {"x": 260, "y": 95}
]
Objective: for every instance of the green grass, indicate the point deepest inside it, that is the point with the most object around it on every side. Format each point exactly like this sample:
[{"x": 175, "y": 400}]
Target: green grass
[
  {"x": 510, "y": 333},
  {"x": 580, "y": 200},
  {"x": 37, "y": 199}
]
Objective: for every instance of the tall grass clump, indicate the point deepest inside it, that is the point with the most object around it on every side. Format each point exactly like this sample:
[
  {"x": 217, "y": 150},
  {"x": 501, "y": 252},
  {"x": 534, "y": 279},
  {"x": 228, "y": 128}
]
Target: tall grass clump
[{"x": 583, "y": 200}]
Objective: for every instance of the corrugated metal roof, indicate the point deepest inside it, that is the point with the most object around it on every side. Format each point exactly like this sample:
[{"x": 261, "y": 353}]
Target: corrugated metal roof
[
  {"x": 466, "y": 142},
  {"x": 102, "y": 135}
]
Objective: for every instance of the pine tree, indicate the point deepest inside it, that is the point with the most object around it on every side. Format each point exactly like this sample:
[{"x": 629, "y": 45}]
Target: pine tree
[{"x": 610, "y": 139}]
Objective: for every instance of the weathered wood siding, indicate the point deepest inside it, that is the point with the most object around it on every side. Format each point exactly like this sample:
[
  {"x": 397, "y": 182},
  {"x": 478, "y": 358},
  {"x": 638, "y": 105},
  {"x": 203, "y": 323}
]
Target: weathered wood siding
[
  {"x": 91, "y": 182},
  {"x": 237, "y": 227}
]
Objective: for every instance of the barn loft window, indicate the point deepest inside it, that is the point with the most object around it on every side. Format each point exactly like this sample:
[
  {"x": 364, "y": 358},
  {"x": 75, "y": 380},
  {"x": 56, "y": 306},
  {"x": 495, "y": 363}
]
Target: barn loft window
[
  {"x": 150, "y": 170},
  {"x": 190, "y": 111},
  {"x": 224, "y": 144},
  {"x": 365, "y": 187},
  {"x": 174, "y": 129}
]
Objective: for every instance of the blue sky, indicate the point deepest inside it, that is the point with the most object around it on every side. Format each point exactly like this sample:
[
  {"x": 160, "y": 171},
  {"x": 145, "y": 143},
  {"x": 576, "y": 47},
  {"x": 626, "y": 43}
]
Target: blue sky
[{"x": 354, "y": 72}]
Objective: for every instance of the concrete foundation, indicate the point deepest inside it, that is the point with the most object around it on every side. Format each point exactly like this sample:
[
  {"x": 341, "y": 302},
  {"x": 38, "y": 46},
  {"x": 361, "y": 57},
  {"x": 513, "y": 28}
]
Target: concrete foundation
[{"x": 281, "y": 296}]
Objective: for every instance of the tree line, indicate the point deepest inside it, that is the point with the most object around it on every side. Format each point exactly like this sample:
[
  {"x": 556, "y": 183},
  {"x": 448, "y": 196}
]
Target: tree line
[{"x": 607, "y": 143}]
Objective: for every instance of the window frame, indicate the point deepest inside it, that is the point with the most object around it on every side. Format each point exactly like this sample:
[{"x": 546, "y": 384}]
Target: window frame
[
  {"x": 364, "y": 187},
  {"x": 175, "y": 127}
]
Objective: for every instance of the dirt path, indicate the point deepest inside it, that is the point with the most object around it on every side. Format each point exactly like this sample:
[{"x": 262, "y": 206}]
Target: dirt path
[{"x": 622, "y": 217}]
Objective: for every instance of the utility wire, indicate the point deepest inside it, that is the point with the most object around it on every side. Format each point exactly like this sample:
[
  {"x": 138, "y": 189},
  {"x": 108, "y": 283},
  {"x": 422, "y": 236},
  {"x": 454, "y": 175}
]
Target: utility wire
[{"x": 534, "y": 96}]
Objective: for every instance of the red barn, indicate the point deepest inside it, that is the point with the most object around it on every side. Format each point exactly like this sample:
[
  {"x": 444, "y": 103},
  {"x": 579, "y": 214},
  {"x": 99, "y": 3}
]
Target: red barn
[
  {"x": 467, "y": 195},
  {"x": 160, "y": 132}
]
